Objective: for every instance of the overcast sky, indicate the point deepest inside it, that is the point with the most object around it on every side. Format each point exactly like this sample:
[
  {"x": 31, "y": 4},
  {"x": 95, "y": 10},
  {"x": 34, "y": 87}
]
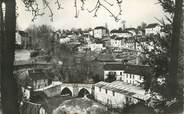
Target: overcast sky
[{"x": 134, "y": 13}]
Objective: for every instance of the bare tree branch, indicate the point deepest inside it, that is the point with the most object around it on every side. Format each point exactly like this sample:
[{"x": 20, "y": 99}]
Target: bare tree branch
[
  {"x": 32, "y": 5},
  {"x": 99, "y": 4},
  {"x": 58, "y": 4}
]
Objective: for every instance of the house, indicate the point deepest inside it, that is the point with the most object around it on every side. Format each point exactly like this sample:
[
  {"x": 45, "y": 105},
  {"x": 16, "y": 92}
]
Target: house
[
  {"x": 96, "y": 47},
  {"x": 100, "y": 32},
  {"x": 130, "y": 43},
  {"x": 118, "y": 94},
  {"x": 140, "y": 32},
  {"x": 121, "y": 33},
  {"x": 22, "y": 40},
  {"x": 64, "y": 40},
  {"x": 123, "y": 42},
  {"x": 32, "y": 80},
  {"x": 118, "y": 42},
  {"x": 26, "y": 92},
  {"x": 144, "y": 43},
  {"x": 88, "y": 32},
  {"x": 152, "y": 29},
  {"x": 131, "y": 30},
  {"x": 130, "y": 74},
  {"x": 38, "y": 78}
]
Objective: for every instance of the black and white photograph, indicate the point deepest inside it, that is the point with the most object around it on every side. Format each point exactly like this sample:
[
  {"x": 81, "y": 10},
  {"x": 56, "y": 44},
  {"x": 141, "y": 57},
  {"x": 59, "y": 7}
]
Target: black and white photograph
[{"x": 91, "y": 56}]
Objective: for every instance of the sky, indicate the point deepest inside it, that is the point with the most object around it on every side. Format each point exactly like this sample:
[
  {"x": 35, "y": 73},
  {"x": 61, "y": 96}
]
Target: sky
[{"x": 134, "y": 13}]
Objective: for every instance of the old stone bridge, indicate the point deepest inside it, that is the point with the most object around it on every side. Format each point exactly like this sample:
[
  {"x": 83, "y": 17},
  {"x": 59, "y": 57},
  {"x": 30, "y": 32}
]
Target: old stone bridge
[
  {"x": 74, "y": 89},
  {"x": 65, "y": 89}
]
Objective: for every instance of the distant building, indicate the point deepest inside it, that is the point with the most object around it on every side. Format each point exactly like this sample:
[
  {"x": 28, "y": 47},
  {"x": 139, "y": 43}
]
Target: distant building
[
  {"x": 100, "y": 32},
  {"x": 143, "y": 43},
  {"x": 152, "y": 29},
  {"x": 32, "y": 80},
  {"x": 121, "y": 33},
  {"x": 118, "y": 42},
  {"x": 118, "y": 94},
  {"x": 26, "y": 91},
  {"x": 35, "y": 79},
  {"x": 39, "y": 78},
  {"x": 22, "y": 40},
  {"x": 130, "y": 74},
  {"x": 140, "y": 32},
  {"x": 96, "y": 47},
  {"x": 130, "y": 43},
  {"x": 122, "y": 42},
  {"x": 132, "y": 30},
  {"x": 88, "y": 32},
  {"x": 64, "y": 40}
]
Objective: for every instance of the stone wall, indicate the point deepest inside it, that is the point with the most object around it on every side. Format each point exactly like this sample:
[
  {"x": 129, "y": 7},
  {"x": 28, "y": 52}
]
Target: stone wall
[{"x": 53, "y": 91}]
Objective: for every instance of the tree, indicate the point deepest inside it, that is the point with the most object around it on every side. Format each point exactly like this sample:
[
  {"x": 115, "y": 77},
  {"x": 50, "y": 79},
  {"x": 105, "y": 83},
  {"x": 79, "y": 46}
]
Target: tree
[
  {"x": 42, "y": 36},
  {"x": 111, "y": 77},
  {"x": 164, "y": 57},
  {"x": 9, "y": 89},
  {"x": 176, "y": 36}
]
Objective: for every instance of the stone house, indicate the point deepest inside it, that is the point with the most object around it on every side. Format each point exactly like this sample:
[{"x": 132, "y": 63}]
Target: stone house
[
  {"x": 118, "y": 94},
  {"x": 143, "y": 43},
  {"x": 132, "y": 30},
  {"x": 130, "y": 43},
  {"x": 130, "y": 74},
  {"x": 152, "y": 29},
  {"x": 117, "y": 42},
  {"x": 100, "y": 32},
  {"x": 39, "y": 79},
  {"x": 23, "y": 40},
  {"x": 121, "y": 33}
]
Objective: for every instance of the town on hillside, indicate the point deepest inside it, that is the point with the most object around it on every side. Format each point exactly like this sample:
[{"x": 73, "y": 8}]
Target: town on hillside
[{"x": 91, "y": 71}]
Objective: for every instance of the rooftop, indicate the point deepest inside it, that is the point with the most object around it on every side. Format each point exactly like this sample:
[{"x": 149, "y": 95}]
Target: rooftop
[
  {"x": 119, "y": 31},
  {"x": 134, "y": 29},
  {"x": 100, "y": 27},
  {"x": 23, "y": 34},
  {"x": 124, "y": 88},
  {"x": 153, "y": 25},
  {"x": 132, "y": 69},
  {"x": 119, "y": 38}
]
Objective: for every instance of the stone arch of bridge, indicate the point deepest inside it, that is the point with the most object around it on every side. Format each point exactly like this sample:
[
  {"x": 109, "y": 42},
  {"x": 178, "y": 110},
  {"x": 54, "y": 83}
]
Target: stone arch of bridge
[
  {"x": 83, "y": 91},
  {"x": 66, "y": 91}
]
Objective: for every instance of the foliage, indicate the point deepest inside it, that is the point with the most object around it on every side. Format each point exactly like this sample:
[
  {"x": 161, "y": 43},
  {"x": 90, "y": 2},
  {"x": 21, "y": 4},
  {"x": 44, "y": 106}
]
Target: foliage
[
  {"x": 111, "y": 77},
  {"x": 42, "y": 37},
  {"x": 162, "y": 83},
  {"x": 167, "y": 5}
]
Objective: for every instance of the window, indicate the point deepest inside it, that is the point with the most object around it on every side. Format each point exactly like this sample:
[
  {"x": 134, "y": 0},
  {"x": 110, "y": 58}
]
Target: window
[
  {"x": 120, "y": 73},
  {"x": 120, "y": 78},
  {"x": 113, "y": 93},
  {"x": 99, "y": 88},
  {"x": 139, "y": 77},
  {"x": 130, "y": 76},
  {"x": 133, "y": 76},
  {"x": 106, "y": 91},
  {"x": 112, "y": 73}
]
